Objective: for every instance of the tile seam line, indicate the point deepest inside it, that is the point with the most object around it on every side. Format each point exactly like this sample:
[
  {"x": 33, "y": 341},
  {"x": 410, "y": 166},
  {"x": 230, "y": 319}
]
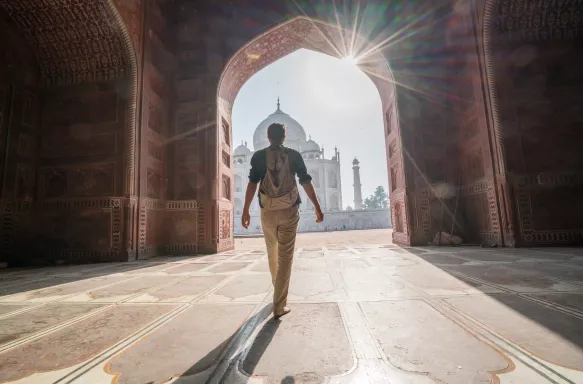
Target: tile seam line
[
  {"x": 59, "y": 300},
  {"x": 510, "y": 343},
  {"x": 87, "y": 361},
  {"x": 125, "y": 344},
  {"x": 57, "y": 327}
]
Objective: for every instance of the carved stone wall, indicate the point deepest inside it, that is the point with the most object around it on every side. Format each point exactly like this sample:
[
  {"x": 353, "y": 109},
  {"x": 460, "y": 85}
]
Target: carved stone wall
[
  {"x": 87, "y": 46},
  {"x": 156, "y": 129},
  {"x": 119, "y": 120},
  {"x": 534, "y": 50},
  {"x": 476, "y": 210},
  {"x": 19, "y": 132},
  {"x": 424, "y": 115},
  {"x": 67, "y": 190}
]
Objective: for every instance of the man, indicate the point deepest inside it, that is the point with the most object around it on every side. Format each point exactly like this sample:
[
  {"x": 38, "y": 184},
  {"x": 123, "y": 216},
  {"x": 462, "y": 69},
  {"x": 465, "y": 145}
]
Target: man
[{"x": 276, "y": 167}]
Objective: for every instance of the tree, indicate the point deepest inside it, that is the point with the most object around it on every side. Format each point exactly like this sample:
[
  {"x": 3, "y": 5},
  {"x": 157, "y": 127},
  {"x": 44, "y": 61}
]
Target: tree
[{"x": 379, "y": 199}]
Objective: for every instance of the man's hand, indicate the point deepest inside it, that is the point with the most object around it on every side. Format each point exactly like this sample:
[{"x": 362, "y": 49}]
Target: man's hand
[
  {"x": 245, "y": 219},
  {"x": 249, "y": 193},
  {"x": 319, "y": 215}
]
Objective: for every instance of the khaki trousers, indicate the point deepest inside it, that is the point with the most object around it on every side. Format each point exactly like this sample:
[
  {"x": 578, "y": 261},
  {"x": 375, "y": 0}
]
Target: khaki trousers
[{"x": 280, "y": 228}]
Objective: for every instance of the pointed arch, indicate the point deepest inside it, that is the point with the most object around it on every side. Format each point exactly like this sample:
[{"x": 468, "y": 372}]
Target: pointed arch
[{"x": 281, "y": 40}]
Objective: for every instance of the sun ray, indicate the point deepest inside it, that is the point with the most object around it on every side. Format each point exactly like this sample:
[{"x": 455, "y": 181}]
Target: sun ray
[
  {"x": 398, "y": 35},
  {"x": 340, "y": 30},
  {"x": 355, "y": 29},
  {"x": 318, "y": 28},
  {"x": 189, "y": 132}
]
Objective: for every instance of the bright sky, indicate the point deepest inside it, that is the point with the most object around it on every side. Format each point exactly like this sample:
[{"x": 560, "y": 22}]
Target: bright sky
[{"x": 333, "y": 100}]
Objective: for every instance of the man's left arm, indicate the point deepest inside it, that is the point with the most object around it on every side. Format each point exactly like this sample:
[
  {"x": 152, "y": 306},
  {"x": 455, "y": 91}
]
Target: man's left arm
[{"x": 306, "y": 182}]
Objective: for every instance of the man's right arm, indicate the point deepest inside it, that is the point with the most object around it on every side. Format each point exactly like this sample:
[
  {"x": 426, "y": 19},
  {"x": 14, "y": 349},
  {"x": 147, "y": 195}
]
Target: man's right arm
[
  {"x": 249, "y": 195},
  {"x": 254, "y": 178}
]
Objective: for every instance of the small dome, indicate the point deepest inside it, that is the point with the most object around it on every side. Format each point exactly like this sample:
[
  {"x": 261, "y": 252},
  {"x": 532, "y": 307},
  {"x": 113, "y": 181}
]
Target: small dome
[
  {"x": 242, "y": 150},
  {"x": 310, "y": 146}
]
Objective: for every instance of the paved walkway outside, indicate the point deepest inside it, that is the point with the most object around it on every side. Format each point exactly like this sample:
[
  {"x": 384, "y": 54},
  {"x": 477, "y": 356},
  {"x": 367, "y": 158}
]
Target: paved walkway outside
[{"x": 363, "y": 311}]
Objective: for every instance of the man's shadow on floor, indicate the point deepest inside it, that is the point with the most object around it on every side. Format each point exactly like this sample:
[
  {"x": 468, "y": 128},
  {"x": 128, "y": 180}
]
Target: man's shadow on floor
[
  {"x": 253, "y": 356},
  {"x": 262, "y": 341}
]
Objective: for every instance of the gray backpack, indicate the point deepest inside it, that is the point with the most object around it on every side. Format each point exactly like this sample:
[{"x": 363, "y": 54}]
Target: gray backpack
[{"x": 278, "y": 189}]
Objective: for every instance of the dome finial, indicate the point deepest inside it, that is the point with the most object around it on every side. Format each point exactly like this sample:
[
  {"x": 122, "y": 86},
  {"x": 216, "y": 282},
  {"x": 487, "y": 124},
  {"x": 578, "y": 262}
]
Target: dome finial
[{"x": 278, "y": 103}]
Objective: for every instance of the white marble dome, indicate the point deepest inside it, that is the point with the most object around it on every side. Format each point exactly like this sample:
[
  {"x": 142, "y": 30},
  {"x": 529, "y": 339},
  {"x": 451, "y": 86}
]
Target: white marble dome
[{"x": 295, "y": 134}]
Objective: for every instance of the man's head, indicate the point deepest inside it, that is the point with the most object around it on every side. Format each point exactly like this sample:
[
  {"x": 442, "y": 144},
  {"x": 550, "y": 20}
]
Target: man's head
[{"x": 276, "y": 133}]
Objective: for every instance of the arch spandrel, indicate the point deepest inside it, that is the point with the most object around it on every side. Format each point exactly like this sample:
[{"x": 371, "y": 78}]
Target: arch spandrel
[{"x": 280, "y": 41}]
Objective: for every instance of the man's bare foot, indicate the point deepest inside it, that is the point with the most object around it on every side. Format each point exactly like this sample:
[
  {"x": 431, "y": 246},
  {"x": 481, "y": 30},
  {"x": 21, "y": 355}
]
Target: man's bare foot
[{"x": 284, "y": 312}]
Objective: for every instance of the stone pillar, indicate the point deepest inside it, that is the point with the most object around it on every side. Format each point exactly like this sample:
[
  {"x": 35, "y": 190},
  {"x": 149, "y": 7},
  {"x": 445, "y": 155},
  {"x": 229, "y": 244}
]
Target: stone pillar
[{"x": 357, "y": 185}]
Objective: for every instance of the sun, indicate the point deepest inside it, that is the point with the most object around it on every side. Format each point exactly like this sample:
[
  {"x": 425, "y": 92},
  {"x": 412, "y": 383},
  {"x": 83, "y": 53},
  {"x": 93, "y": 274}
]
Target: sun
[{"x": 350, "y": 60}]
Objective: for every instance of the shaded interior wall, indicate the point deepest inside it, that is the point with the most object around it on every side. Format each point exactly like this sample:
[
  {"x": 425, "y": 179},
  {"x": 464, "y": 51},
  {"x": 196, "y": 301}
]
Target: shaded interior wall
[
  {"x": 475, "y": 201},
  {"x": 540, "y": 85},
  {"x": 80, "y": 171},
  {"x": 19, "y": 134},
  {"x": 192, "y": 161},
  {"x": 422, "y": 71},
  {"x": 156, "y": 129},
  {"x": 72, "y": 135},
  {"x": 394, "y": 160}
]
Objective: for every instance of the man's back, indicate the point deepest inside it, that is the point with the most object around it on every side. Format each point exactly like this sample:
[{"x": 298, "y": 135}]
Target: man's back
[
  {"x": 275, "y": 167},
  {"x": 259, "y": 163}
]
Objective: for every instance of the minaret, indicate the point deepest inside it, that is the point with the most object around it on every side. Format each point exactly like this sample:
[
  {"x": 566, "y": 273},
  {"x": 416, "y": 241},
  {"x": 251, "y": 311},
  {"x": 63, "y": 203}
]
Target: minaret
[{"x": 357, "y": 185}]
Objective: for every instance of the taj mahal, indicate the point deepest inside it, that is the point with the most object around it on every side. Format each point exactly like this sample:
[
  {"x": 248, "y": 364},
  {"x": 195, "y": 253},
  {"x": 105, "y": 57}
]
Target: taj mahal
[{"x": 325, "y": 178}]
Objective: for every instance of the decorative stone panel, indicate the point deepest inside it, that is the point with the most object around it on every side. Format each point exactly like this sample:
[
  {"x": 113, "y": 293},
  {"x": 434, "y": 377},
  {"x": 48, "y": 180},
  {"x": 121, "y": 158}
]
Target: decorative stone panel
[{"x": 87, "y": 45}]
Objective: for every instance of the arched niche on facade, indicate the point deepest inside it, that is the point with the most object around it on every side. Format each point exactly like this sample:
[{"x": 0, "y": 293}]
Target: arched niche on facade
[
  {"x": 334, "y": 204},
  {"x": 238, "y": 207},
  {"x": 238, "y": 183},
  {"x": 332, "y": 179},
  {"x": 315, "y": 177}
]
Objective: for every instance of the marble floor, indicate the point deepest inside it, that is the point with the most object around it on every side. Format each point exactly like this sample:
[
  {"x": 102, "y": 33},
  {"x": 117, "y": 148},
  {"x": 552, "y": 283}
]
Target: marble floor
[{"x": 363, "y": 311}]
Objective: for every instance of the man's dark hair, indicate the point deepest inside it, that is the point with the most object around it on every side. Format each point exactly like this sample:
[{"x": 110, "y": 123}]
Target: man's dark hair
[{"x": 276, "y": 133}]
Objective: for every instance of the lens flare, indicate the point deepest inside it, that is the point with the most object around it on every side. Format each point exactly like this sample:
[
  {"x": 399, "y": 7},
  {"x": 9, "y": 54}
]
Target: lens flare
[{"x": 350, "y": 60}]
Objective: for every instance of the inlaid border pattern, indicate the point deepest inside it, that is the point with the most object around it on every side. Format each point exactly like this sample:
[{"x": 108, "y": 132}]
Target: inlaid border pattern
[
  {"x": 11, "y": 210},
  {"x": 524, "y": 184}
]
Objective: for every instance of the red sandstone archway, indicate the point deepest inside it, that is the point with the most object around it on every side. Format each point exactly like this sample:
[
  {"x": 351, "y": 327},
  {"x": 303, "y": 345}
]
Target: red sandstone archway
[
  {"x": 81, "y": 117},
  {"x": 303, "y": 32}
]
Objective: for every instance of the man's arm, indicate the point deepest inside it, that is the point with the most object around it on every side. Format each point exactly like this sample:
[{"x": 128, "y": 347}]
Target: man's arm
[
  {"x": 249, "y": 195},
  {"x": 255, "y": 176},
  {"x": 309, "y": 188},
  {"x": 306, "y": 183}
]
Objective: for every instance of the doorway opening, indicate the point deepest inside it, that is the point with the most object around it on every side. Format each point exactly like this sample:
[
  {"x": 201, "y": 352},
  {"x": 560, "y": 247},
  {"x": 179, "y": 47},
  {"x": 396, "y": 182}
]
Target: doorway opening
[{"x": 333, "y": 115}]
